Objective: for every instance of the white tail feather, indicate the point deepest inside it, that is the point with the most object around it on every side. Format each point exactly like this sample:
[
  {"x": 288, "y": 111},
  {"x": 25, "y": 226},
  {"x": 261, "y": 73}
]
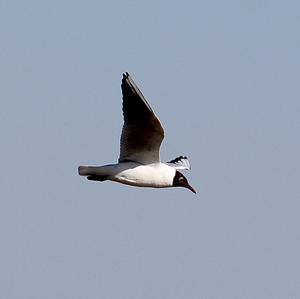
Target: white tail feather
[{"x": 83, "y": 170}]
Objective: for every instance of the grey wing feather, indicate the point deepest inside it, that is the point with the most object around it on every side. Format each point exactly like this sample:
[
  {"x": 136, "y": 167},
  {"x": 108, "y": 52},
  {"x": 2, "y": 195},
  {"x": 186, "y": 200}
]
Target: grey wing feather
[{"x": 142, "y": 132}]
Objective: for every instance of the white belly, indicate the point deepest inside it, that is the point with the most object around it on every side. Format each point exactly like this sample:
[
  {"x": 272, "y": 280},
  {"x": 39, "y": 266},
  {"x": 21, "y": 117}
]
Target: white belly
[{"x": 152, "y": 175}]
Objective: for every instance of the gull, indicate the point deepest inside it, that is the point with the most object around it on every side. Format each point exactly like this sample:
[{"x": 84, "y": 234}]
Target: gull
[{"x": 139, "y": 162}]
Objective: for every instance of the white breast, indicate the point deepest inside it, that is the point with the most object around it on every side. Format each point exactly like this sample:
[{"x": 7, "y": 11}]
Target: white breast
[{"x": 156, "y": 175}]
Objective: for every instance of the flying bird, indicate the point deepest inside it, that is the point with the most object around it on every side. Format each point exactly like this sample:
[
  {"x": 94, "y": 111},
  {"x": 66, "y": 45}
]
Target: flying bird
[{"x": 139, "y": 163}]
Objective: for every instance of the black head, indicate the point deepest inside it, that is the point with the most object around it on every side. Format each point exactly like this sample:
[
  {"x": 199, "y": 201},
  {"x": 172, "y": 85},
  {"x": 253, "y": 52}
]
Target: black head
[{"x": 181, "y": 181}]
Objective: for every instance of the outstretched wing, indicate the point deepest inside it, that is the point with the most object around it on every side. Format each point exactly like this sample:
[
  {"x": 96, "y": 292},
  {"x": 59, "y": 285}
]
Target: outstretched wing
[
  {"x": 142, "y": 132},
  {"x": 180, "y": 162}
]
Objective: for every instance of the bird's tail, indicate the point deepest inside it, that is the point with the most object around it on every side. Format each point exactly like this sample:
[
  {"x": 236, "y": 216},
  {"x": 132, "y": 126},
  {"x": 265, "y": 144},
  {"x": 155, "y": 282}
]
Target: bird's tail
[
  {"x": 92, "y": 173},
  {"x": 84, "y": 170}
]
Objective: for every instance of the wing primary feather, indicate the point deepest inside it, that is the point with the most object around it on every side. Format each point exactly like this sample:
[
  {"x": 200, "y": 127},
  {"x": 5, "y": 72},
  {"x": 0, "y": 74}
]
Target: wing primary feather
[
  {"x": 180, "y": 162},
  {"x": 177, "y": 159},
  {"x": 142, "y": 132}
]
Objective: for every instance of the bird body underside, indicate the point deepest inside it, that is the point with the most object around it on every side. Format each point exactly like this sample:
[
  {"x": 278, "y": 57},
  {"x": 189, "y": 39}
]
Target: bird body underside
[{"x": 157, "y": 175}]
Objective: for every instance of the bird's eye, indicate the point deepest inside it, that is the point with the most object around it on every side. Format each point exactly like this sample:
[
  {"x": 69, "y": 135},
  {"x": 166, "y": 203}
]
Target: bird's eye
[{"x": 181, "y": 178}]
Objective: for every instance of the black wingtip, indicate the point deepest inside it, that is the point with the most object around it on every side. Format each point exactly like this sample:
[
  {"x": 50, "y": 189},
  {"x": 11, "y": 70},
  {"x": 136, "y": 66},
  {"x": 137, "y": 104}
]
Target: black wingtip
[
  {"x": 125, "y": 75},
  {"x": 178, "y": 159}
]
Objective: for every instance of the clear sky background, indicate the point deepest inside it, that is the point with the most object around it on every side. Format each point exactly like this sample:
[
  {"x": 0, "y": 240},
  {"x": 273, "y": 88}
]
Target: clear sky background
[{"x": 223, "y": 77}]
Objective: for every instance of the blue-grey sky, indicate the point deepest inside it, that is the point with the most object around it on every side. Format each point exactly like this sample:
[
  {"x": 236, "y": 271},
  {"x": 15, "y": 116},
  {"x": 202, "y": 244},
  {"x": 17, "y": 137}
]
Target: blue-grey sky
[{"x": 223, "y": 77}]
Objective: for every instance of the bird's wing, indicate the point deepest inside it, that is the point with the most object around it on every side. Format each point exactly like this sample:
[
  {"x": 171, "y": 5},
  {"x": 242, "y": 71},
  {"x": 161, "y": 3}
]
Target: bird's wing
[
  {"x": 142, "y": 132},
  {"x": 180, "y": 163}
]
